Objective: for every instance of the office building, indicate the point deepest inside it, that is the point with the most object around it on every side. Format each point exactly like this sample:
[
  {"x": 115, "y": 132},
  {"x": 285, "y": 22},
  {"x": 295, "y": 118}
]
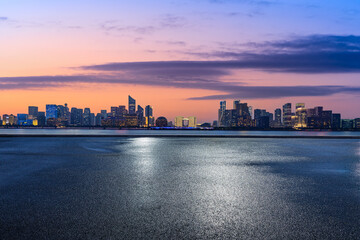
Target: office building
[
  {"x": 221, "y": 114},
  {"x": 287, "y": 115},
  {"x": 76, "y": 116},
  {"x": 192, "y": 122},
  {"x": 140, "y": 116},
  {"x": 301, "y": 116},
  {"x": 33, "y": 112},
  {"x": 277, "y": 121},
  {"x": 149, "y": 118},
  {"x": 22, "y": 119},
  {"x": 41, "y": 119},
  {"x": 51, "y": 111},
  {"x": 179, "y": 121},
  {"x": 87, "y": 117},
  {"x": 336, "y": 121},
  {"x": 132, "y": 106}
]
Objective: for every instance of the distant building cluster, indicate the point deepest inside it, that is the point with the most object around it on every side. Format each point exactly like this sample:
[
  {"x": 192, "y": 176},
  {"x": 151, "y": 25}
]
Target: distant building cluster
[
  {"x": 241, "y": 116},
  {"x": 62, "y": 116},
  {"x": 118, "y": 116}
]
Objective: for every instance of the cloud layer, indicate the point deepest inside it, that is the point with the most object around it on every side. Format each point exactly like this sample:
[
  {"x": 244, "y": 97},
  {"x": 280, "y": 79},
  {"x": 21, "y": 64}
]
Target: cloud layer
[{"x": 306, "y": 55}]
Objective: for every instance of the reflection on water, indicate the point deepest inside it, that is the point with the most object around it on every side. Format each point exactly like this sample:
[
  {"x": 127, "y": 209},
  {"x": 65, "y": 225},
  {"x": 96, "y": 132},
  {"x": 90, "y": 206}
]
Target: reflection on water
[
  {"x": 173, "y": 132},
  {"x": 113, "y": 188}
]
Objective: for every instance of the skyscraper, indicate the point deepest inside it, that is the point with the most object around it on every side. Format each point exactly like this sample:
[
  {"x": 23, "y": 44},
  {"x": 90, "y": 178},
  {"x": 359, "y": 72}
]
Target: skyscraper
[
  {"x": 140, "y": 116},
  {"x": 87, "y": 117},
  {"x": 76, "y": 116},
  {"x": 179, "y": 121},
  {"x": 236, "y": 104},
  {"x": 251, "y": 112},
  {"x": 51, "y": 111},
  {"x": 287, "y": 115},
  {"x": 301, "y": 115},
  {"x": 336, "y": 121},
  {"x": 278, "y": 117},
  {"x": 192, "y": 122},
  {"x": 132, "y": 106},
  {"x": 41, "y": 118},
  {"x": 221, "y": 114},
  {"x": 63, "y": 114},
  {"x": 33, "y": 112},
  {"x": 149, "y": 118}
]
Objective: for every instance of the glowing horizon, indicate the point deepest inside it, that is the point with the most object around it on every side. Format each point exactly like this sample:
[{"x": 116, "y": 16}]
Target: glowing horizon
[{"x": 181, "y": 57}]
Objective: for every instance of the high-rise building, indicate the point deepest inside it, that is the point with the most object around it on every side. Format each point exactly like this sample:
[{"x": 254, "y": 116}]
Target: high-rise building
[
  {"x": 140, "y": 115},
  {"x": 236, "y": 103},
  {"x": 92, "y": 119},
  {"x": 41, "y": 119},
  {"x": 132, "y": 106},
  {"x": 33, "y": 112},
  {"x": 76, "y": 116},
  {"x": 104, "y": 114},
  {"x": 122, "y": 111},
  {"x": 301, "y": 116},
  {"x": 51, "y": 111},
  {"x": 277, "y": 122},
  {"x": 326, "y": 117},
  {"x": 87, "y": 117},
  {"x": 149, "y": 118},
  {"x": 336, "y": 121},
  {"x": 179, "y": 121},
  {"x": 251, "y": 112},
  {"x": 192, "y": 122},
  {"x": 63, "y": 114},
  {"x": 221, "y": 114},
  {"x": 287, "y": 115},
  {"x": 98, "y": 119},
  {"x": 22, "y": 119}
]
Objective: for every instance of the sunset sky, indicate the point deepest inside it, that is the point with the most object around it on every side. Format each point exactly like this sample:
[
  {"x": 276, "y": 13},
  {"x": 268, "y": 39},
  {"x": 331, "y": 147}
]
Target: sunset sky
[{"x": 180, "y": 56}]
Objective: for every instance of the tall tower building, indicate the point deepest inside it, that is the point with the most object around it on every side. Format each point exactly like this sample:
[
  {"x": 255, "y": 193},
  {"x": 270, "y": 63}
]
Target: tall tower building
[
  {"x": 251, "y": 112},
  {"x": 149, "y": 118},
  {"x": 87, "y": 117},
  {"x": 140, "y": 116},
  {"x": 287, "y": 115},
  {"x": 132, "y": 106},
  {"x": 51, "y": 111},
  {"x": 278, "y": 117},
  {"x": 236, "y": 104},
  {"x": 301, "y": 115},
  {"x": 179, "y": 121},
  {"x": 192, "y": 122},
  {"x": 33, "y": 112},
  {"x": 221, "y": 114}
]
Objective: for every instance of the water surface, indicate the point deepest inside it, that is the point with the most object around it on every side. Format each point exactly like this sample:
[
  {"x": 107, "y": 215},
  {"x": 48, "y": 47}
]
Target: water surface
[{"x": 161, "y": 188}]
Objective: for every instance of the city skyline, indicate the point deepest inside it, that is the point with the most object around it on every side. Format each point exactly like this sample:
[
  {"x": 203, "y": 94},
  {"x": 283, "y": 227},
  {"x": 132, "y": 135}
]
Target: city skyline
[
  {"x": 240, "y": 116},
  {"x": 183, "y": 56}
]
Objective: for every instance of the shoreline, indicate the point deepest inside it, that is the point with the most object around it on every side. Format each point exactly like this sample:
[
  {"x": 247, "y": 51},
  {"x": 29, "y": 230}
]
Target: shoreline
[{"x": 167, "y": 136}]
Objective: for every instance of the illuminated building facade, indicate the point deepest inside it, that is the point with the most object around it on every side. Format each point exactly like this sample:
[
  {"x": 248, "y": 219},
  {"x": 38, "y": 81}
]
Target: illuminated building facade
[
  {"x": 287, "y": 121},
  {"x": 132, "y": 106},
  {"x": 51, "y": 111}
]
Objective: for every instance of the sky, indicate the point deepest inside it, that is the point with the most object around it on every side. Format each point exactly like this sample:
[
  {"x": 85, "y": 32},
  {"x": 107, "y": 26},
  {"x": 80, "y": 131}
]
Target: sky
[{"x": 180, "y": 56}]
